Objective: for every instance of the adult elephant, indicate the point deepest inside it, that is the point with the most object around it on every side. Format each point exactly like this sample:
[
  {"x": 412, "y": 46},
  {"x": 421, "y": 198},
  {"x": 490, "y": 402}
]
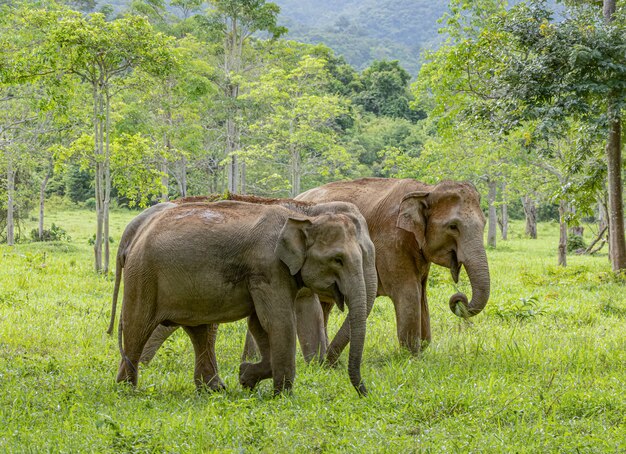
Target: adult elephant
[
  {"x": 310, "y": 320},
  {"x": 199, "y": 264},
  {"x": 412, "y": 225}
]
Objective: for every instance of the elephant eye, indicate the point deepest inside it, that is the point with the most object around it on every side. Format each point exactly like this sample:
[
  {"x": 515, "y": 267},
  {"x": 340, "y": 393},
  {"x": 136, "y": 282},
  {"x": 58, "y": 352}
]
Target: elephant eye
[
  {"x": 338, "y": 260},
  {"x": 453, "y": 227}
]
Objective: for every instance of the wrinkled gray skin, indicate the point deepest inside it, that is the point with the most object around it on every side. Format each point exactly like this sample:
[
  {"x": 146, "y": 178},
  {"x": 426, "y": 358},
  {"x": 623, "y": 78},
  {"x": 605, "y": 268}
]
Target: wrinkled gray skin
[
  {"x": 412, "y": 225},
  {"x": 128, "y": 236},
  {"x": 199, "y": 264},
  {"x": 311, "y": 323}
]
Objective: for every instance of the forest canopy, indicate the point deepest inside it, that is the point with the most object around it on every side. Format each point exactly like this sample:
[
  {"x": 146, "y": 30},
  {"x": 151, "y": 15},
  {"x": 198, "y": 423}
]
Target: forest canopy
[{"x": 132, "y": 103}]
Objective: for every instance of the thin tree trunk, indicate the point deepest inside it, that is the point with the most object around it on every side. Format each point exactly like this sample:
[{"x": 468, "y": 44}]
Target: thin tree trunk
[
  {"x": 107, "y": 183},
  {"x": 530, "y": 210},
  {"x": 231, "y": 148},
  {"x": 97, "y": 123},
  {"x": 504, "y": 226},
  {"x": 491, "y": 232},
  {"x": 617, "y": 240},
  {"x": 243, "y": 177},
  {"x": 10, "y": 203},
  {"x": 562, "y": 233},
  {"x": 164, "y": 181},
  {"x": 42, "y": 198}
]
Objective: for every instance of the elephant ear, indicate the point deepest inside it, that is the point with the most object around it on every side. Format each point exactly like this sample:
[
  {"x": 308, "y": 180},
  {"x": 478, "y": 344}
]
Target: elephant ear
[
  {"x": 412, "y": 215},
  {"x": 291, "y": 246}
]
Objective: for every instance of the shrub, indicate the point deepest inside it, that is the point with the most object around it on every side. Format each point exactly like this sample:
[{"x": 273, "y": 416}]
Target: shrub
[
  {"x": 56, "y": 233},
  {"x": 575, "y": 243}
]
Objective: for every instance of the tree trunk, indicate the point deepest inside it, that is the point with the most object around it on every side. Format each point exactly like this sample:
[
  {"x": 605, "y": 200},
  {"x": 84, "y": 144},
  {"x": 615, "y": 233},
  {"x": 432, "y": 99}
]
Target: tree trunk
[
  {"x": 107, "y": 184},
  {"x": 182, "y": 177},
  {"x": 165, "y": 183},
  {"x": 504, "y": 224},
  {"x": 295, "y": 171},
  {"x": 10, "y": 202},
  {"x": 243, "y": 177},
  {"x": 42, "y": 198},
  {"x": 231, "y": 148},
  {"x": 562, "y": 233},
  {"x": 530, "y": 210},
  {"x": 97, "y": 124},
  {"x": 491, "y": 232},
  {"x": 617, "y": 240}
]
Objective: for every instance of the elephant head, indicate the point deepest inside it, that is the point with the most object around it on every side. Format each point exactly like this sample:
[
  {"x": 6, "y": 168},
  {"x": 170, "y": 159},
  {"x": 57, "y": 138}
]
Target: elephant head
[
  {"x": 448, "y": 226},
  {"x": 324, "y": 253}
]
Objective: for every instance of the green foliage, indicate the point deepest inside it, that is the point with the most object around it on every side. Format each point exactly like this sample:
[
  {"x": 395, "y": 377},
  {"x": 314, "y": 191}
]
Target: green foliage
[
  {"x": 78, "y": 183},
  {"x": 296, "y": 130},
  {"x": 55, "y": 233},
  {"x": 521, "y": 309},
  {"x": 384, "y": 91},
  {"x": 575, "y": 243}
]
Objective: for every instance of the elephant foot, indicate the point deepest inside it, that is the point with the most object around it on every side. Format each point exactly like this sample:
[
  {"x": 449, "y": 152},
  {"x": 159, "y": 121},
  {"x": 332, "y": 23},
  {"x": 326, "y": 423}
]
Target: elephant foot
[
  {"x": 127, "y": 373},
  {"x": 215, "y": 384},
  {"x": 250, "y": 374},
  {"x": 212, "y": 386}
]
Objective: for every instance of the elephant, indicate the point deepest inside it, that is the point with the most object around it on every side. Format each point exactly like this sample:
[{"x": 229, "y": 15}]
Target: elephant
[
  {"x": 412, "y": 225},
  {"x": 310, "y": 322},
  {"x": 130, "y": 232},
  {"x": 197, "y": 264}
]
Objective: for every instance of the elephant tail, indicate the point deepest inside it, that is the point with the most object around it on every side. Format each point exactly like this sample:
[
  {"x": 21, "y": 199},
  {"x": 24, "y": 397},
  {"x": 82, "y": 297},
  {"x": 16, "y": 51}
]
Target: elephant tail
[{"x": 119, "y": 265}]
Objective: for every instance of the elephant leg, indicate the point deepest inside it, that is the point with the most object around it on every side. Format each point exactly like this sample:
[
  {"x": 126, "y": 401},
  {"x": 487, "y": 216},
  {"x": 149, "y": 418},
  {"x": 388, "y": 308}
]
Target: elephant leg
[
  {"x": 250, "y": 349},
  {"x": 407, "y": 301},
  {"x": 158, "y": 336},
  {"x": 310, "y": 326},
  {"x": 203, "y": 339},
  {"x": 252, "y": 373},
  {"x": 425, "y": 318},
  {"x": 135, "y": 337}
]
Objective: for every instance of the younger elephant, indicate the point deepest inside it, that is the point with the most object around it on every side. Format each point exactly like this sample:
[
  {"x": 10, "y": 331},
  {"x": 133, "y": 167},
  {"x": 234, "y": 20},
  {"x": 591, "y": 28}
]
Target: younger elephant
[{"x": 198, "y": 264}]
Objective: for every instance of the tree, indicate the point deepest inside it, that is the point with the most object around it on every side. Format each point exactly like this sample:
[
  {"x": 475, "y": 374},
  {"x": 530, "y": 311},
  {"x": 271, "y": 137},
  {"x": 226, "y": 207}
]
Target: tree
[
  {"x": 614, "y": 158},
  {"x": 296, "y": 129},
  {"x": 556, "y": 72},
  {"x": 102, "y": 55},
  {"x": 384, "y": 90},
  {"x": 235, "y": 21}
]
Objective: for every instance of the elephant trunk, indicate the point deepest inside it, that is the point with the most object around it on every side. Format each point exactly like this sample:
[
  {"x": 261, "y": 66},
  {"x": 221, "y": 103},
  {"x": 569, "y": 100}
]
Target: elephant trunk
[
  {"x": 357, "y": 314},
  {"x": 342, "y": 337},
  {"x": 478, "y": 273}
]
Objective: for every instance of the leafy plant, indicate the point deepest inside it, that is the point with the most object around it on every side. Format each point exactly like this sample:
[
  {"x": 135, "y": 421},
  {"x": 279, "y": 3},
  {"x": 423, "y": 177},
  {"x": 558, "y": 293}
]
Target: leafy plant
[
  {"x": 55, "y": 233},
  {"x": 522, "y": 309},
  {"x": 575, "y": 243}
]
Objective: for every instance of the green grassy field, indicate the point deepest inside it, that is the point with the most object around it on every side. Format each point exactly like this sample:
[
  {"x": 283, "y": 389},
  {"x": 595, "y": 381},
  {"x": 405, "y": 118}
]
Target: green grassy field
[{"x": 542, "y": 369}]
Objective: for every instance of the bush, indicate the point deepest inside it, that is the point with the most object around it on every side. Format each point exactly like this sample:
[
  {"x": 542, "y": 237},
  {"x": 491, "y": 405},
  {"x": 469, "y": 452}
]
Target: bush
[
  {"x": 90, "y": 204},
  {"x": 56, "y": 233},
  {"x": 575, "y": 243}
]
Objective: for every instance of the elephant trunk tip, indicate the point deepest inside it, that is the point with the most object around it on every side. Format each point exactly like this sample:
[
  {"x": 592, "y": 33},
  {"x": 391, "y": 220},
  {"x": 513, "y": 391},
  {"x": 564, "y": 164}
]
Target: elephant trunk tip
[{"x": 460, "y": 306}]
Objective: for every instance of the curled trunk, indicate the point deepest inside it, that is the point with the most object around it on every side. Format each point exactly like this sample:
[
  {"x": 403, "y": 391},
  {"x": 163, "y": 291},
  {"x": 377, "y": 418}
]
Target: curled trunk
[{"x": 477, "y": 270}]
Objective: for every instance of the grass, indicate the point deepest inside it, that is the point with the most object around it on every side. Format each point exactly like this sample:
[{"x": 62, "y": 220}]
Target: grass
[{"x": 542, "y": 369}]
